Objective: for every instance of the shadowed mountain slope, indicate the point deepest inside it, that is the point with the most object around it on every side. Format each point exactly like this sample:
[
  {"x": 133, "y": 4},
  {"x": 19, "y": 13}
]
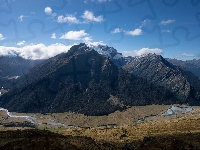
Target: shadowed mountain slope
[
  {"x": 158, "y": 70},
  {"x": 82, "y": 81}
]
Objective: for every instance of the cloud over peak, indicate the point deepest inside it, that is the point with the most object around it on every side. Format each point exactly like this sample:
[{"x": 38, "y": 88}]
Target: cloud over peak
[{"x": 143, "y": 51}]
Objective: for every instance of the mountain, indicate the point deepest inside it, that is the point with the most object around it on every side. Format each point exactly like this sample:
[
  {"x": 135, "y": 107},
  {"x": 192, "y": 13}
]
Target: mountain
[
  {"x": 190, "y": 65},
  {"x": 16, "y": 66},
  {"x": 182, "y": 83},
  {"x": 82, "y": 81},
  {"x": 13, "y": 67}
]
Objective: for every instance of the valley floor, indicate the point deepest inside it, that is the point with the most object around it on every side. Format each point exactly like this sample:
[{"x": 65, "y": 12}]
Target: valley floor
[{"x": 121, "y": 128}]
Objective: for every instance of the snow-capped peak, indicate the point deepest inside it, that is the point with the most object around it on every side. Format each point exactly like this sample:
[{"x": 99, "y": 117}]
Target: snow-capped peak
[{"x": 103, "y": 49}]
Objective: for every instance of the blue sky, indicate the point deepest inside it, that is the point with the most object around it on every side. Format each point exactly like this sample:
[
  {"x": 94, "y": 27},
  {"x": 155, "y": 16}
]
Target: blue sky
[{"x": 43, "y": 28}]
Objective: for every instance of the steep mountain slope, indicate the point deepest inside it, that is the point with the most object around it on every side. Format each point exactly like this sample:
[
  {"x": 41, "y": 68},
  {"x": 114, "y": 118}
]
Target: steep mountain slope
[
  {"x": 190, "y": 65},
  {"x": 156, "y": 69},
  {"x": 82, "y": 81}
]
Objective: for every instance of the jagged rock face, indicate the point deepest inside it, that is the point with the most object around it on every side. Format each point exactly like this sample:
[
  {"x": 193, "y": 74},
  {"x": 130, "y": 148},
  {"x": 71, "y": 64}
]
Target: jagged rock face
[
  {"x": 82, "y": 81},
  {"x": 157, "y": 70},
  {"x": 116, "y": 57}
]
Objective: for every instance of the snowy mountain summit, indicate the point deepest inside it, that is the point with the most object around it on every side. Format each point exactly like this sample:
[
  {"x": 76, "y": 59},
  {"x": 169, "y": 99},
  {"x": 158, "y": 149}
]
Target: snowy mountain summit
[{"x": 103, "y": 49}]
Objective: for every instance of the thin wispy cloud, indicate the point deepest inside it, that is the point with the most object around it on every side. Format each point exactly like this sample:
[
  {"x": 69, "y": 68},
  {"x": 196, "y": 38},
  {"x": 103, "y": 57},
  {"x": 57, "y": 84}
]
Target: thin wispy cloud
[
  {"x": 53, "y": 36},
  {"x": 2, "y": 37},
  {"x": 187, "y": 55},
  {"x": 88, "y": 16},
  {"x": 136, "y": 32},
  {"x": 166, "y": 22},
  {"x": 117, "y": 30},
  {"x": 68, "y": 19},
  {"x": 166, "y": 31},
  {"x": 97, "y": 1},
  {"x": 21, "y": 43},
  {"x": 21, "y": 17}
]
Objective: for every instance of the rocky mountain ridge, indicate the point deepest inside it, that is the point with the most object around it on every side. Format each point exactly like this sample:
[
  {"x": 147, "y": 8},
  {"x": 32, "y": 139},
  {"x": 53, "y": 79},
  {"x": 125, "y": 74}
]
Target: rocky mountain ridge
[
  {"x": 159, "y": 71},
  {"x": 82, "y": 81}
]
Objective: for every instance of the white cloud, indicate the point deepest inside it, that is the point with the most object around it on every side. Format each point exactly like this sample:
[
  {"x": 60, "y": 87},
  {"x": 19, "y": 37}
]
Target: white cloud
[
  {"x": 117, "y": 30},
  {"x": 35, "y": 51},
  {"x": 48, "y": 10},
  {"x": 74, "y": 35},
  {"x": 53, "y": 36},
  {"x": 33, "y": 13},
  {"x": 135, "y": 32},
  {"x": 163, "y": 22},
  {"x": 68, "y": 19},
  {"x": 88, "y": 16},
  {"x": 187, "y": 55},
  {"x": 87, "y": 39},
  {"x": 21, "y": 17},
  {"x": 1, "y": 37},
  {"x": 143, "y": 51},
  {"x": 21, "y": 43}
]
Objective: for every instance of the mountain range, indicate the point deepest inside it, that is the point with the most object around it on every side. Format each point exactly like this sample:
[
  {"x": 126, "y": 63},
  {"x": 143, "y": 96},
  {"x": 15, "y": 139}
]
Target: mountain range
[{"x": 98, "y": 81}]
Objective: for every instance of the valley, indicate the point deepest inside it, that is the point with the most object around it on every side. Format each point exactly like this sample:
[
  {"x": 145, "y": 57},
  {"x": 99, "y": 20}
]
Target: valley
[{"x": 119, "y": 128}]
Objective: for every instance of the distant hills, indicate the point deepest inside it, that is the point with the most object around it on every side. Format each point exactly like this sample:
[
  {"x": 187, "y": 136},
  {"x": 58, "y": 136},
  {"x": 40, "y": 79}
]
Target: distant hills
[
  {"x": 97, "y": 80},
  {"x": 16, "y": 66},
  {"x": 189, "y": 65},
  {"x": 13, "y": 67}
]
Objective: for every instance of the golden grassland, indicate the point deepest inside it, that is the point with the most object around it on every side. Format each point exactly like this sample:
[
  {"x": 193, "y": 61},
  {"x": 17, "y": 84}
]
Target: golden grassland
[
  {"x": 127, "y": 117},
  {"x": 180, "y": 123},
  {"x": 127, "y": 131}
]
